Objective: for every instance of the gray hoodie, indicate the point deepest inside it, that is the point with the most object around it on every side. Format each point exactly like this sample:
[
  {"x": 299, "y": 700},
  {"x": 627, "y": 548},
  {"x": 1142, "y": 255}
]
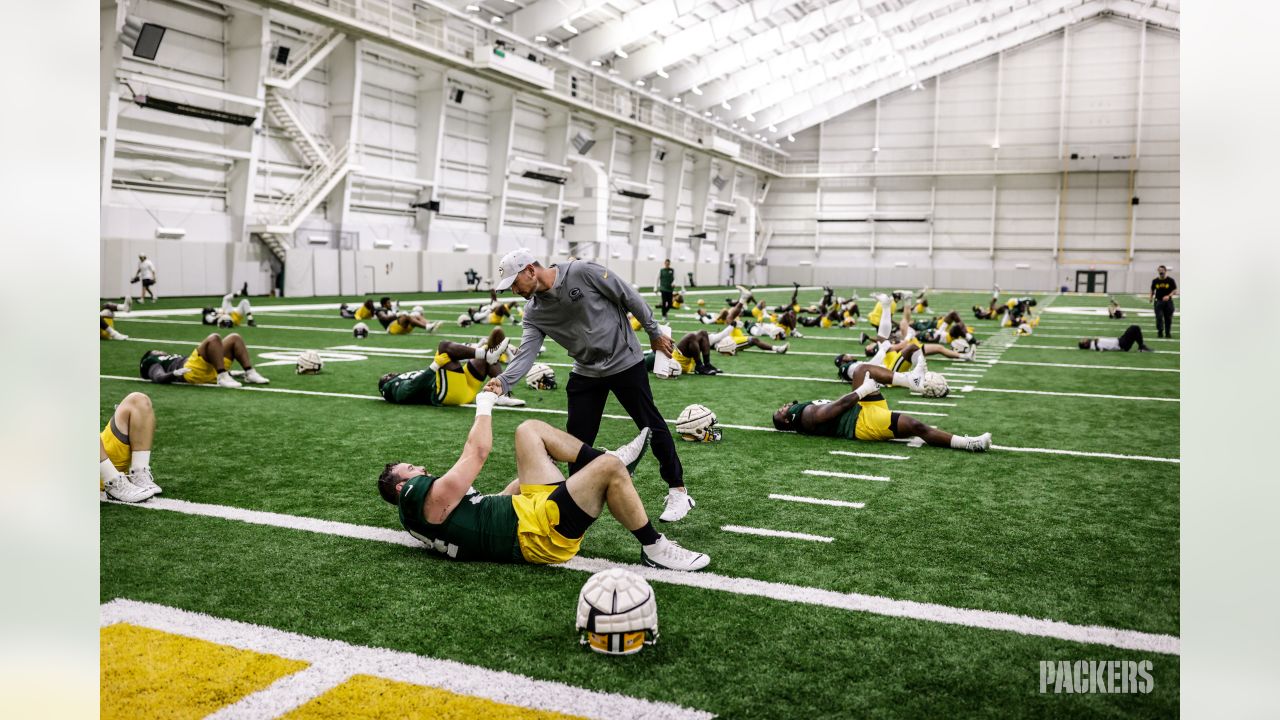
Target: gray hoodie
[{"x": 586, "y": 312}]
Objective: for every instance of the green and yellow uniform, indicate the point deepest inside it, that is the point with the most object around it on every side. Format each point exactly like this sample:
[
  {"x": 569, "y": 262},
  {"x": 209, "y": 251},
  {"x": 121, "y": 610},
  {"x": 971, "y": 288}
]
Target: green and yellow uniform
[
  {"x": 417, "y": 387},
  {"x": 398, "y": 327},
  {"x": 363, "y": 313},
  {"x": 497, "y": 528},
  {"x": 457, "y": 387},
  {"x": 108, "y": 322},
  {"x": 867, "y": 420},
  {"x": 202, "y": 373},
  {"x": 442, "y": 387},
  {"x": 686, "y": 363},
  {"x": 896, "y": 362},
  {"x": 878, "y": 310}
]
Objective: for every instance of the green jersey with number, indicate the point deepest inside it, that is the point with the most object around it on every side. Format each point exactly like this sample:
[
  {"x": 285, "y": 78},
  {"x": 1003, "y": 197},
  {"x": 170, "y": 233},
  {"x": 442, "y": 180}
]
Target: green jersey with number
[
  {"x": 417, "y": 387},
  {"x": 481, "y": 527}
]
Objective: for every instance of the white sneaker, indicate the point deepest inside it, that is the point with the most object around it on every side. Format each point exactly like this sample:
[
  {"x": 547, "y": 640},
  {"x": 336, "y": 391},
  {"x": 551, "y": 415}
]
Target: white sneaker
[
  {"x": 883, "y": 299},
  {"x": 669, "y": 555},
  {"x": 434, "y": 325},
  {"x": 494, "y": 354},
  {"x": 631, "y": 453},
  {"x": 128, "y": 303},
  {"x": 119, "y": 488},
  {"x": 781, "y": 349},
  {"x": 225, "y": 380},
  {"x": 115, "y": 334},
  {"x": 678, "y": 505},
  {"x": 142, "y": 478},
  {"x": 508, "y": 401},
  {"x": 253, "y": 376},
  {"x": 982, "y": 443},
  {"x": 796, "y": 333}
]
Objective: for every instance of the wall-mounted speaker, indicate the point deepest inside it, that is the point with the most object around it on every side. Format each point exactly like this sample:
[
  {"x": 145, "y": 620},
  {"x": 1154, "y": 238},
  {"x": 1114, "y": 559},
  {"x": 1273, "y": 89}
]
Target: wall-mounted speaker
[{"x": 281, "y": 56}]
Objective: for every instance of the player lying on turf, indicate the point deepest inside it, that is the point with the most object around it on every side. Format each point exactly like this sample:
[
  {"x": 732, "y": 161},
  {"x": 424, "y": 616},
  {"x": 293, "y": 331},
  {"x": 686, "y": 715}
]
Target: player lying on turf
[
  {"x": 540, "y": 517},
  {"x": 124, "y": 450},
  {"x": 107, "y": 319},
  {"x": 455, "y": 376},
  {"x": 993, "y": 310},
  {"x": 864, "y": 415},
  {"x": 692, "y": 354},
  {"x": 494, "y": 312},
  {"x": 226, "y": 316},
  {"x": 738, "y": 340},
  {"x": 1113, "y": 309},
  {"x": 1132, "y": 336},
  {"x": 401, "y": 323},
  {"x": 209, "y": 362},
  {"x": 363, "y": 311}
]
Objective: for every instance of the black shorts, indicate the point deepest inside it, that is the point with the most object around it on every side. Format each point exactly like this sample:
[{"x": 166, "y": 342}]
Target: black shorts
[
  {"x": 148, "y": 283},
  {"x": 573, "y": 520}
]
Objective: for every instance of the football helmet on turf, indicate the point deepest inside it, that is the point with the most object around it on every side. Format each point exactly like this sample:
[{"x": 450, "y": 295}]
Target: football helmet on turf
[
  {"x": 360, "y": 330},
  {"x": 935, "y": 385},
  {"x": 310, "y": 363},
  {"x": 727, "y": 345},
  {"x": 541, "y": 377},
  {"x": 697, "y": 423},
  {"x": 617, "y": 613}
]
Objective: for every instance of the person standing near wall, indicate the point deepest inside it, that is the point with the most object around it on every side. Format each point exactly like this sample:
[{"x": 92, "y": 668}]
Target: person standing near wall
[
  {"x": 1163, "y": 289},
  {"x": 146, "y": 274},
  {"x": 583, "y": 307},
  {"x": 666, "y": 286}
]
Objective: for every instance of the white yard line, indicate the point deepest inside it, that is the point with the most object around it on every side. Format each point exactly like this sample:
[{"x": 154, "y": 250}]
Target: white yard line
[
  {"x": 855, "y": 602},
  {"x": 1076, "y": 349},
  {"x": 1078, "y": 337},
  {"x": 923, "y": 402},
  {"x": 547, "y": 411},
  {"x": 335, "y": 657},
  {"x": 284, "y": 695},
  {"x": 743, "y": 530},
  {"x": 817, "y": 501},
  {"x": 1089, "y": 367},
  {"x": 877, "y": 456},
  {"x": 931, "y": 414},
  {"x": 1074, "y": 394},
  {"x": 1081, "y": 453},
  {"x": 846, "y": 476}
]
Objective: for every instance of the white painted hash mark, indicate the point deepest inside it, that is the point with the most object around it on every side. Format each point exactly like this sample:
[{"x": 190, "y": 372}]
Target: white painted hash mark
[
  {"x": 741, "y": 529},
  {"x": 817, "y": 501},
  {"x": 848, "y": 476}
]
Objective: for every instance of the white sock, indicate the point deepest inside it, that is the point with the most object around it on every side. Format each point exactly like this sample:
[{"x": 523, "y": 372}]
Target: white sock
[
  {"x": 959, "y": 441},
  {"x": 886, "y": 319},
  {"x": 436, "y": 366},
  {"x": 226, "y": 302},
  {"x": 868, "y": 387},
  {"x": 141, "y": 459},
  {"x": 718, "y": 336},
  {"x": 107, "y": 470},
  {"x": 480, "y": 351},
  {"x": 902, "y": 380}
]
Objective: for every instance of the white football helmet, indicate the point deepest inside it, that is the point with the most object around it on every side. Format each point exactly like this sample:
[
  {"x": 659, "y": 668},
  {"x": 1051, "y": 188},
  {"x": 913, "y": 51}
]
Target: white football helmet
[
  {"x": 935, "y": 385},
  {"x": 417, "y": 310},
  {"x": 541, "y": 377},
  {"x": 464, "y": 319},
  {"x": 617, "y": 613},
  {"x": 697, "y": 423},
  {"x": 310, "y": 363},
  {"x": 727, "y": 345},
  {"x": 960, "y": 345},
  {"x": 360, "y": 330}
]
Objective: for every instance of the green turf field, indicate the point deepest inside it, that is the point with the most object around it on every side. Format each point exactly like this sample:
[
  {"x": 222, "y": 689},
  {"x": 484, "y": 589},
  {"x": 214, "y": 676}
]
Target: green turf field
[{"x": 1089, "y": 539}]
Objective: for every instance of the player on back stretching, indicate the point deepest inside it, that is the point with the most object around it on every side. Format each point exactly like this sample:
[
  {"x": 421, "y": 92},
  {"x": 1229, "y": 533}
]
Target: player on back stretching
[
  {"x": 540, "y": 517},
  {"x": 864, "y": 415},
  {"x": 456, "y": 375}
]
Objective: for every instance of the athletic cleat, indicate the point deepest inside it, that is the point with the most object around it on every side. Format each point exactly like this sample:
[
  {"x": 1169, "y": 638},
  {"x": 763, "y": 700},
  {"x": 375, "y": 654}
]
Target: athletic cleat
[
  {"x": 434, "y": 325},
  {"x": 251, "y": 321},
  {"x": 865, "y": 337},
  {"x": 494, "y": 354},
  {"x": 141, "y": 477},
  {"x": 1145, "y": 348},
  {"x": 225, "y": 380},
  {"x": 982, "y": 443},
  {"x": 796, "y": 333},
  {"x": 128, "y": 303},
  {"x": 115, "y": 334},
  {"x": 631, "y": 453},
  {"x": 119, "y": 488},
  {"x": 253, "y": 376},
  {"x": 508, "y": 401},
  {"x": 714, "y": 370},
  {"x": 678, "y": 505},
  {"x": 781, "y": 349},
  {"x": 669, "y": 555},
  {"x": 704, "y": 370}
]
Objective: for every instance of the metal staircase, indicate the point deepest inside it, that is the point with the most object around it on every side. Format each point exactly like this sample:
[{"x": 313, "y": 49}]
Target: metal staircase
[
  {"x": 304, "y": 60},
  {"x": 278, "y": 220},
  {"x": 311, "y": 146}
]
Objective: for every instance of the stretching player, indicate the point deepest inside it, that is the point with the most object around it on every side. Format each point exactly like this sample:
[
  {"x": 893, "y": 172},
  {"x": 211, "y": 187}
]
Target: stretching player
[
  {"x": 540, "y": 517},
  {"x": 455, "y": 377},
  {"x": 864, "y": 415},
  {"x": 693, "y": 352},
  {"x": 993, "y": 310},
  {"x": 738, "y": 340},
  {"x": 227, "y": 316},
  {"x": 1132, "y": 336},
  {"x": 209, "y": 362},
  {"x": 398, "y": 323},
  {"x": 363, "y": 311},
  {"x": 107, "y": 320},
  {"x": 124, "y": 450},
  {"x": 1113, "y": 309}
]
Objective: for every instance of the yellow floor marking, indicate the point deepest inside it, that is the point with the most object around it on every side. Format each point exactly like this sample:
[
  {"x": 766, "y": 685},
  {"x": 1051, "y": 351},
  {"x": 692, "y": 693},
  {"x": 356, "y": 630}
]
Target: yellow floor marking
[
  {"x": 368, "y": 697},
  {"x": 152, "y": 674}
]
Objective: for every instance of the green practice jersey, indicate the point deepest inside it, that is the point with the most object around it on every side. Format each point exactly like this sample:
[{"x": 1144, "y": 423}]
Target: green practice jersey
[
  {"x": 842, "y": 427},
  {"x": 666, "y": 280},
  {"x": 417, "y": 387},
  {"x": 481, "y": 527}
]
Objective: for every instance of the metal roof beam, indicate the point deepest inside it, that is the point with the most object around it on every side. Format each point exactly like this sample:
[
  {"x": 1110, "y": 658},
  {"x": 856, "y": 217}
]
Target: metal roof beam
[
  {"x": 541, "y": 16},
  {"x": 633, "y": 26}
]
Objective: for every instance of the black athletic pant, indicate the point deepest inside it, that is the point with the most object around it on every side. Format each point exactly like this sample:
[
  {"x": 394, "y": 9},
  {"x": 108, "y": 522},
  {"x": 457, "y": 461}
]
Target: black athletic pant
[
  {"x": 1132, "y": 334},
  {"x": 587, "y": 396},
  {"x": 1164, "y": 318},
  {"x": 666, "y": 303}
]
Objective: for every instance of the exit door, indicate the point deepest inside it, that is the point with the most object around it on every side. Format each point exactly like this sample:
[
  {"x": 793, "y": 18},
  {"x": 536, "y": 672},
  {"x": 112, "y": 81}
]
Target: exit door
[
  {"x": 366, "y": 285},
  {"x": 1092, "y": 281}
]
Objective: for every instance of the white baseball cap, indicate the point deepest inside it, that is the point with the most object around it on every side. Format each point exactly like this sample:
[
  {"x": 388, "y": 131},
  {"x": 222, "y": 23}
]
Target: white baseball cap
[{"x": 511, "y": 265}]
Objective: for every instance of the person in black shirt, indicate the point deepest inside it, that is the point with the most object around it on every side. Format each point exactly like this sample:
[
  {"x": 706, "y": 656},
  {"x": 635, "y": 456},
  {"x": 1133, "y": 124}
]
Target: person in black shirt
[{"x": 1163, "y": 288}]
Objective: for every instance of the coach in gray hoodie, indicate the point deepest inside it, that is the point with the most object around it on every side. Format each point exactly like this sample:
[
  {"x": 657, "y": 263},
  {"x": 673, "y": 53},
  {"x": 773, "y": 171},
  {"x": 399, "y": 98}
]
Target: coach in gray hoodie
[{"x": 583, "y": 307}]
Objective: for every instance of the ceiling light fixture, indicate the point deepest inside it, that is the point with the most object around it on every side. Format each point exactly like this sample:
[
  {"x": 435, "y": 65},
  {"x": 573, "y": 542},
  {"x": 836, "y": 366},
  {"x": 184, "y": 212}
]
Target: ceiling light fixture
[
  {"x": 696, "y": 90},
  {"x": 751, "y": 118},
  {"x": 596, "y": 63},
  {"x": 662, "y": 73},
  {"x": 613, "y": 71},
  {"x": 621, "y": 53},
  {"x": 639, "y": 83},
  {"x": 562, "y": 48},
  {"x": 791, "y": 138},
  {"x": 676, "y": 99},
  {"x": 472, "y": 8},
  {"x": 725, "y": 104},
  {"x": 539, "y": 38},
  {"x": 568, "y": 27},
  {"x": 496, "y": 19},
  {"x": 773, "y": 129}
]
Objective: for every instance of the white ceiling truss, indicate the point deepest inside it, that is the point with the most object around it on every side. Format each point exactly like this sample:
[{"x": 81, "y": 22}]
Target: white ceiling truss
[{"x": 775, "y": 67}]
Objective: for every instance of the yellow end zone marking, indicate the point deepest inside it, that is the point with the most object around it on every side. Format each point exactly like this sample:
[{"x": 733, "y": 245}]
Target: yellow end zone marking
[
  {"x": 364, "y": 696},
  {"x": 150, "y": 673},
  {"x": 160, "y": 661}
]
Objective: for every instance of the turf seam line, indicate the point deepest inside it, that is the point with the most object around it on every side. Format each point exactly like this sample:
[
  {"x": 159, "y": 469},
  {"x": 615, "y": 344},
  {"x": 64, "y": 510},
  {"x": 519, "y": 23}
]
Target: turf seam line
[
  {"x": 856, "y": 602},
  {"x": 457, "y": 677}
]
